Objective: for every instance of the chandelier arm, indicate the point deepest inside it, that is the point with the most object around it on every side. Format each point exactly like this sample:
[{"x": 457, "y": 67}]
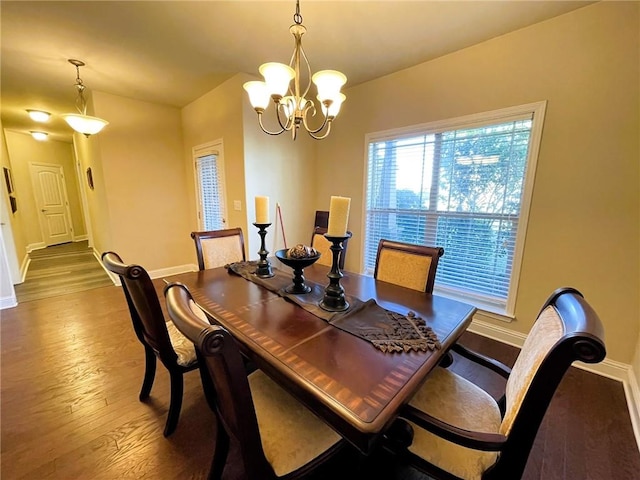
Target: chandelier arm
[
  {"x": 320, "y": 137},
  {"x": 288, "y": 124},
  {"x": 264, "y": 129},
  {"x": 305, "y": 114},
  {"x": 306, "y": 60}
]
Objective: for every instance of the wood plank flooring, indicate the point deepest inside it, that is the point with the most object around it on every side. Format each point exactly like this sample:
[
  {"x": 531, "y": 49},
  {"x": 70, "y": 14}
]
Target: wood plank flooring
[
  {"x": 61, "y": 269},
  {"x": 72, "y": 369}
]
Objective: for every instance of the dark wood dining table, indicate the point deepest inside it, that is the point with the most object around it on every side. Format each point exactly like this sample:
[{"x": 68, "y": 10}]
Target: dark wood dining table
[{"x": 354, "y": 387}]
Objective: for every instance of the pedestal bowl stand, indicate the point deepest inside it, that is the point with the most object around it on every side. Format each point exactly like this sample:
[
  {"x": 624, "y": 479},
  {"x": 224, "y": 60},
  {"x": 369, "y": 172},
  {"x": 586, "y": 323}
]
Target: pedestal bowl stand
[{"x": 298, "y": 265}]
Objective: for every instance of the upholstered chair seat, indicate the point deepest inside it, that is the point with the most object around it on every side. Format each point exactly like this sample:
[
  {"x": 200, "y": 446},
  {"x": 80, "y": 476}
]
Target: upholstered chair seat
[
  {"x": 160, "y": 339},
  {"x": 455, "y": 400},
  {"x": 291, "y": 435},
  {"x": 460, "y": 432},
  {"x": 277, "y": 436},
  {"x": 182, "y": 346}
]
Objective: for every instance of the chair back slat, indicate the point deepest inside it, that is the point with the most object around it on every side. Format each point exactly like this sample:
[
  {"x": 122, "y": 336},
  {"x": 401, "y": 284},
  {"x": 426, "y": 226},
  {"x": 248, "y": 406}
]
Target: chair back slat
[
  {"x": 144, "y": 306},
  {"x": 567, "y": 329}
]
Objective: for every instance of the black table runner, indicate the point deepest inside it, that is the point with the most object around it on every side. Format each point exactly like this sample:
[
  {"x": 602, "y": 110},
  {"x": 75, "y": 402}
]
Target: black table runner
[{"x": 388, "y": 331}]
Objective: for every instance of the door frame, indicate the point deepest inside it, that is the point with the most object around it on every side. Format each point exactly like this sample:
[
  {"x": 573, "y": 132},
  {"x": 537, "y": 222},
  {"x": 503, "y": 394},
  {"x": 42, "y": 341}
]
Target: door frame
[{"x": 210, "y": 148}]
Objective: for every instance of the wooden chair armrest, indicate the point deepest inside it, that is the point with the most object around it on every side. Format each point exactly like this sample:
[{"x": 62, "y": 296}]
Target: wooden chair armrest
[
  {"x": 477, "y": 440},
  {"x": 487, "y": 362}
]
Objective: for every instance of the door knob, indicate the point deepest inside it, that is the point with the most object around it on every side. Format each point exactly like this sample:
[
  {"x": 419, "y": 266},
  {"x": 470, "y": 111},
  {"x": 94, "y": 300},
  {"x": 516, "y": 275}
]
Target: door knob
[{"x": 44, "y": 210}]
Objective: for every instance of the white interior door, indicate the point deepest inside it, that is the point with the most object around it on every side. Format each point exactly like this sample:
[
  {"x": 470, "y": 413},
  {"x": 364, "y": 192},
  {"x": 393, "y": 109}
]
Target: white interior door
[{"x": 52, "y": 203}]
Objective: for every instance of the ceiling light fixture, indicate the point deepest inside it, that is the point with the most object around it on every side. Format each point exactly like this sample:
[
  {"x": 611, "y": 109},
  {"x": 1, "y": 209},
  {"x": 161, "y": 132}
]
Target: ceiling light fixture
[
  {"x": 40, "y": 136},
  {"x": 39, "y": 115},
  {"x": 294, "y": 109},
  {"x": 81, "y": 122}
]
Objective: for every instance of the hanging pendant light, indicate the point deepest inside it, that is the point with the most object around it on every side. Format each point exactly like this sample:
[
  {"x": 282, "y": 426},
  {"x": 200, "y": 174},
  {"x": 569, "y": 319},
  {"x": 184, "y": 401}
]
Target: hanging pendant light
[
  {"x": 39, "y": 115},
  {"x": 81, "y": 122},
  {"x": 40, "y": 136},
  {"x": 292, "y": 108}
]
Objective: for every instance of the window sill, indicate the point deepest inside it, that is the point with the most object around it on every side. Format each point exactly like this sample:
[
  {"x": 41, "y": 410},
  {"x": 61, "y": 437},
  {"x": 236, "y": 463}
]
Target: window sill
[{"x": 486, "y": 311}]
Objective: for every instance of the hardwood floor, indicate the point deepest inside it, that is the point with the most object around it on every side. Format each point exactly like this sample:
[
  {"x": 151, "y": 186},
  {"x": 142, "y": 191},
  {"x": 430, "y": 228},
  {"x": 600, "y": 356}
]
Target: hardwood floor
[
  {"x": 72, "y": 369},
  {"x": 61, "y": 269}
]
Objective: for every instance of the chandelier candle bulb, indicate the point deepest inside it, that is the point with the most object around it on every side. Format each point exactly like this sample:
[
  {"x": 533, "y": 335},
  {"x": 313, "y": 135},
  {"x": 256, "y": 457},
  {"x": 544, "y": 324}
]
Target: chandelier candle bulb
[
  {"x": 338, "y": 216},
  {"x": 262, "y": 210}
]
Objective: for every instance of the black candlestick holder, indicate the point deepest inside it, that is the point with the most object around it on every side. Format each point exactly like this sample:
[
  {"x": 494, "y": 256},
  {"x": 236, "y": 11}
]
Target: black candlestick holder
[
  {"x": 264, "y": 267},
  {"x": 334, "y": 300}
]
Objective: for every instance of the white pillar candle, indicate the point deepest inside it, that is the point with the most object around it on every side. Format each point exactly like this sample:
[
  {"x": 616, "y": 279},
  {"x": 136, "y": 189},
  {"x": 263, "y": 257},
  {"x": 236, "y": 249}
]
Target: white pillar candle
[
  {"x": 262, "y": 210},
  {"x": 338, "y": 216}
]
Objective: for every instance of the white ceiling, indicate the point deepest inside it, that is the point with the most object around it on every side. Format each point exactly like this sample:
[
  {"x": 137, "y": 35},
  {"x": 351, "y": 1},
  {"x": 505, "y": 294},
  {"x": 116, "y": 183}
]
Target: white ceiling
[{"x": 172, "y": 52}]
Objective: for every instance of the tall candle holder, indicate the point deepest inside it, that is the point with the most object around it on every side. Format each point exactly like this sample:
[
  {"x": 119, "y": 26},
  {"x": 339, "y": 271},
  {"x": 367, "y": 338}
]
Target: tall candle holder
[
  {"x": 264, "y": 267},
  {"x": 334, "y": 300}
]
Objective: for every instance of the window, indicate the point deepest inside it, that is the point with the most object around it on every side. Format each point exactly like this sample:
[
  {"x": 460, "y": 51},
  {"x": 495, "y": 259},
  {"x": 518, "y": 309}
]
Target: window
[
  {"x": 209, "y": 175},
  {"x": 462, "y": 184}
]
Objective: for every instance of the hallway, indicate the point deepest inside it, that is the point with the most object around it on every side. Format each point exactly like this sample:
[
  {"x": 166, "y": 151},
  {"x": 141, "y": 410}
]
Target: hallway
[{"x": 61, "y": 269}]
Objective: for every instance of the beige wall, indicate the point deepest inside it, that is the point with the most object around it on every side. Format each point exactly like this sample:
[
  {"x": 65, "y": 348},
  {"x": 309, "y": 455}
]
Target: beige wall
[
  {"x": 283, "y": 170},
  {"x": 24, "y": 150},
  {"x": 145, "y": 205},
  {"x": 88, "y": 154},
  {"x": 15, "y": 238},
  {"x": 255, "y": 164},
  {"x": 584, "y": 220},
  {"x": 216, "y": 116},
  {"x": 15, "y": 247}
]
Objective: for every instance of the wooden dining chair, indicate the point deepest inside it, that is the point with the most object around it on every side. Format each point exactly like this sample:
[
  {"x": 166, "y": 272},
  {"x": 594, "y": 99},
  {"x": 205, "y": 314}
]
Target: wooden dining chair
[
  {"x": 461, "y": 432},
  {"x": 216, "y": 248},
  {"x": 159, "y": 338},
  {"x": 276, "y": 435},
  {"x": 408, "y": 265},
  {"x": 323, "y": 246}
]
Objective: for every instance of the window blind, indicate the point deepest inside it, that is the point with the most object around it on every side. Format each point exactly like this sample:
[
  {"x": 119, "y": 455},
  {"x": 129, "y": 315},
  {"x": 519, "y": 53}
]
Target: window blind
[
  {"x": 211, "y": 198},
  {"x": 460, "y": 189}
]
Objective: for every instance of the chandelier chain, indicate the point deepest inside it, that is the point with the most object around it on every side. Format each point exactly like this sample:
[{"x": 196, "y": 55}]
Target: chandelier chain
[{"x": 297, "y": 17}]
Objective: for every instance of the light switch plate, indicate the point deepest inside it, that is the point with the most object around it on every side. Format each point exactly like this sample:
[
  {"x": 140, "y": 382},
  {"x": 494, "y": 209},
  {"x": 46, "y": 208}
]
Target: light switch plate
[{"x": 237, "y": 205}]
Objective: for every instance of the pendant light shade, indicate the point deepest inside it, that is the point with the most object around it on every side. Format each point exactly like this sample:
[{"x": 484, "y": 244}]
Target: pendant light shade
[
  {"x": 81, "y": 122},
  {"x": 39, "y": 115},
  {"x": 84, "y": 124}
]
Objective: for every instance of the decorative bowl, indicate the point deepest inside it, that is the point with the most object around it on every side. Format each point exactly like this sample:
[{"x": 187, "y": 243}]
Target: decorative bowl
[{"x": 297, "y": 264}]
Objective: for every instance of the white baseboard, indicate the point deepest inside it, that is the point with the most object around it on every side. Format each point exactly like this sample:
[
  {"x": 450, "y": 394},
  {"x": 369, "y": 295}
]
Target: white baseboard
[
  {"x": 80, "y": 238},
  {"x": 498, "y": 333},
  {"x": 24, "y": 267},
  {"x": 35, "y": 246},
  {"x": 161, "y": 272},
  {"x": 8, "y": 302},
  {"x": 607, "y": 368},
  {"x": 633, "y": 399},
  {"x": 167, "y": 272}
]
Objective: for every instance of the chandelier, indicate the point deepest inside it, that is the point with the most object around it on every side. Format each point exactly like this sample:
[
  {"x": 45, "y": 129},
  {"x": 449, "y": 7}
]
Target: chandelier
[
  {"x": 292, "y": 107},
  {"x": 81, "y": 122}
]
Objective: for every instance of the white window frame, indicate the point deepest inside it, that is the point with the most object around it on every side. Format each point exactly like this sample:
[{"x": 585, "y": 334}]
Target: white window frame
[
  {"x": 537, "y": 110},
  {"x": 211, "y": 148}
]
